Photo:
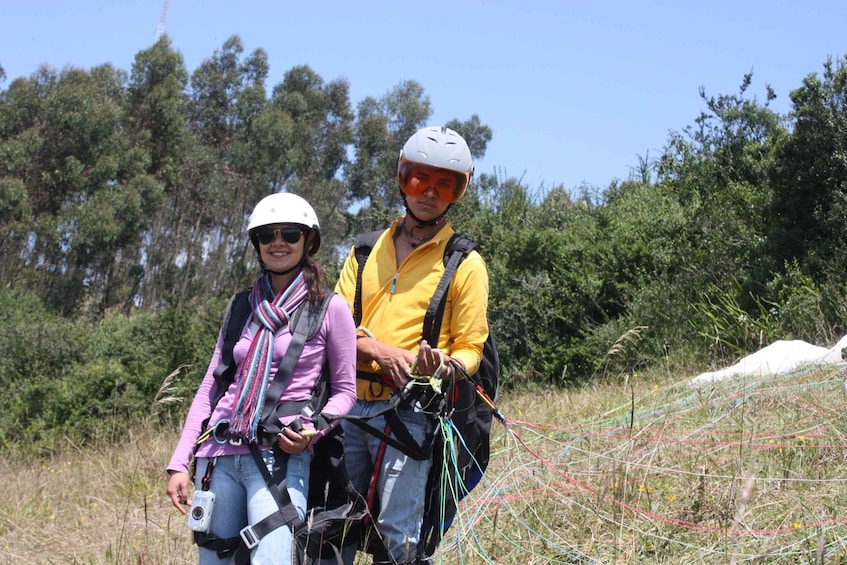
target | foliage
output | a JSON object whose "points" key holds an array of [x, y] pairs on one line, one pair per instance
{"points": [[729, 326], [64, 379], [124, 199], [810, 176], [37, 350], [814, 311]]}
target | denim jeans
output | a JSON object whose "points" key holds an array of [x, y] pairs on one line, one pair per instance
{"points": [[242, 497], [401, 482]]}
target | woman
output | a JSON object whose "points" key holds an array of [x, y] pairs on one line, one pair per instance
{"points": [[285, 233]]}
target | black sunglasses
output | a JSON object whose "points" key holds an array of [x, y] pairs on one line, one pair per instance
{"points": [[267, 235]]}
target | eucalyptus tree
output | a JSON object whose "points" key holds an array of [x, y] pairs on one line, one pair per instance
{"points": [[15, 222], [18, 142], [309, 157], [156, 120], [382, 127], [218, 181], [86, 185]]}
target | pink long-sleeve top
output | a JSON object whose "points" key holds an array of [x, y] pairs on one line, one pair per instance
{"points": [[335, 342]]}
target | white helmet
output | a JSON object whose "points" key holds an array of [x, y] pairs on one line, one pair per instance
{"points": [[285, 208], [438, 147]]}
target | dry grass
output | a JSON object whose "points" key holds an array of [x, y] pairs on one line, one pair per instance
{"points": [[93, 505], [751, 470]]}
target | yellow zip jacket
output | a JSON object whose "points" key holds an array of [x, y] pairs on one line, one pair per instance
{"points": [[395, 299]]}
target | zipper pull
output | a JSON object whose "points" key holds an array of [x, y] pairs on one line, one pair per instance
{"points": [[394, 283]]}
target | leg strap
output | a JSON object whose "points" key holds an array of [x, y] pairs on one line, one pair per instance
{"points": [[251, 535], [223, 547], [287, 514]]}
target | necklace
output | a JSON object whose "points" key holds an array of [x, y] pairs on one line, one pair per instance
{"points": [[410, 238]]}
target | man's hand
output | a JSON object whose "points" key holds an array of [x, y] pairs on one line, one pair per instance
{"points": [[428, 360], [393, 361]]}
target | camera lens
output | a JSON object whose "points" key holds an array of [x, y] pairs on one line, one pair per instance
{"points": [[197, 512]]}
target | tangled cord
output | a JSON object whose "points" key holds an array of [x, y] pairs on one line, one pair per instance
{"points": [[426, 388]]}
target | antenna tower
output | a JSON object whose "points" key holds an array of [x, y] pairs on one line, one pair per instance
{"points": [[160, 29]]}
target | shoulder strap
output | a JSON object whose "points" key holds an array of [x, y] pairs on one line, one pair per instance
{"points": [[236, 314], [363, 246], [315, 312], [457, 249], [300, 334]]}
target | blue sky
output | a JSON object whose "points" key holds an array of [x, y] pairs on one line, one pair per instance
{"points": [[574, 91]]}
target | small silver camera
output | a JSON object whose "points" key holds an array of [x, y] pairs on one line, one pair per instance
{"points": [[200, 514]]}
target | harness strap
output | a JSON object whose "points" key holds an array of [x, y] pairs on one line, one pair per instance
{"points": [[224, 547], [363, 246], [402, 439], [207, 477], [277, 489], [457, 248], [377, 384], [250, 536], [270, 411], [380, 454], [286, 513], [375, 378]]}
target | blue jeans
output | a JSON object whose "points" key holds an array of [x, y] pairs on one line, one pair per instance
{"points": [[242, 497], [401, 482]]}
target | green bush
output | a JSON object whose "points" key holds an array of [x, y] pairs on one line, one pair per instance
{"points": [[33, 341], [71, 381]]}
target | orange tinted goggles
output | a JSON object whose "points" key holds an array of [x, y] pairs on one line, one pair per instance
{"points": [[421, 180]]}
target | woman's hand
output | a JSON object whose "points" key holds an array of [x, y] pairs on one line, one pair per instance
{"points": [[292, 442], [177, 490]]}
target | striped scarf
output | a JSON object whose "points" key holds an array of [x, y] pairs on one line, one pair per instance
{"points": [[254, 375]]}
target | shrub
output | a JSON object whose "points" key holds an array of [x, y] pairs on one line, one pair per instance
{"points": [[64, 379]]}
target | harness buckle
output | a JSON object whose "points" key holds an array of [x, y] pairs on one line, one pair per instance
{"points": [[219, 431], [248, 535], [236, 441]]}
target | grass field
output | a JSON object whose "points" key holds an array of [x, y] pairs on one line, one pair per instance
{"points": [[639, 470]]}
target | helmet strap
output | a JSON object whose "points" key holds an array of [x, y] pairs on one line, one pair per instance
{"points": [[422, 223]]}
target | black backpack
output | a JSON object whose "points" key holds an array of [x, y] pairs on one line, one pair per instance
{"points": [[334, 508], [469, 403]]}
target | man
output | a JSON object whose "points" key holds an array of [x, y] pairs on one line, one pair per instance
{"points": [[398, 280]]}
